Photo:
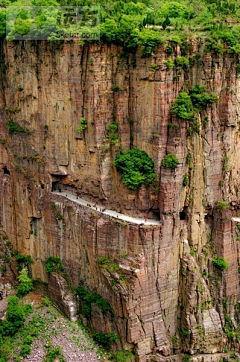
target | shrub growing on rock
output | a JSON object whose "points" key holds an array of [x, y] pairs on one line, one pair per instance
{"points": [[200, 98], [135, 168], [124, 356], [183, 107], [83, 125], [15, 128], [112, 133], [182, 62], [23, 260], [223, 205], [170, 161], [187, 104], [185, 180], [53, 354], [220, 263], [105, 338], [169, 63], [53, 265], [86, 300], [26, 350]]}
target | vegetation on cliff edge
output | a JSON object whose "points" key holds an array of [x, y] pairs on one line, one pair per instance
{"points": [[145, 23]]}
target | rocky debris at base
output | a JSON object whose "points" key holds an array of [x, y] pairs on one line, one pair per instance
{"points": [[56, 331]]}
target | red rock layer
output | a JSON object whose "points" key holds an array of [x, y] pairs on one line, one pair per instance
{"points": [[164, 303]]}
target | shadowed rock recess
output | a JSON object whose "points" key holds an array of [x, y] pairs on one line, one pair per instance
{"points": [[167, 296]]}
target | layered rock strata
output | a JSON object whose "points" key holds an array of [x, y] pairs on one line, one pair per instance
{"points": [[166, 295]]}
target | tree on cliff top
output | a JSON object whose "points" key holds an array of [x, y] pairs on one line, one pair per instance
{"points": [[130, 23]]}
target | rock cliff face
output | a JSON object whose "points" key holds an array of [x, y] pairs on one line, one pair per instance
{"points": [[167, 297]]}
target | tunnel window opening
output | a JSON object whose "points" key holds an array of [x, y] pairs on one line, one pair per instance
{"points": [[182, 215], [34, 225], [56, 186], [208, 217], [57, 182], [6, 171], [156, 214]]}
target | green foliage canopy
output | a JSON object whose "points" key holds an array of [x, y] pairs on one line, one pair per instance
{"points": [[220, 263], [25, 283], [174, 9], [86, 299], [53, 265], [145, 23], [183, 107], [223, 205], [170, 161], [15, 318], [187, 104], [124, 356], [83, 125], [135, 168], [200, 98], [14, 128]]}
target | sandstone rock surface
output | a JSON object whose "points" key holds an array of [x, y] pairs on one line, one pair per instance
{"points": [[167, 297]]}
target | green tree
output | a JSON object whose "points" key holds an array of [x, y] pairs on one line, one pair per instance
{"points": [[2, 22], [124, 356], [200, 98], [174, 9], [53, 265], [135, 168], [22, 23], [170, 161], [123, 22], [166, 22], [15, 317], [109, 30], [25, 283], [183, 107]]}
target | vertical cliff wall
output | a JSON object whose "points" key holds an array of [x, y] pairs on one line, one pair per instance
{"points": [[166, 295]]}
